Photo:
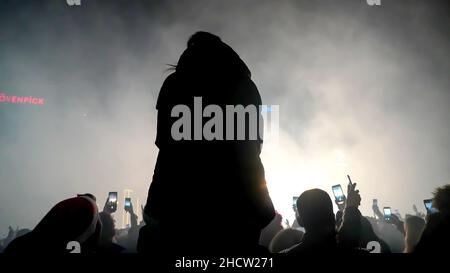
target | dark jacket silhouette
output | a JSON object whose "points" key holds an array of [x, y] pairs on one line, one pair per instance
{"points": [[206, 196]]}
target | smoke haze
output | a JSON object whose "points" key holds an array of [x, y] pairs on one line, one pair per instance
{"points": [[362, 90]]}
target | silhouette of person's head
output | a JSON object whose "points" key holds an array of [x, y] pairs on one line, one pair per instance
{"points": [[73, 219], [315, 211], [108, 227], [88, 195], [441, 199], [208, 55], [435, 237]]}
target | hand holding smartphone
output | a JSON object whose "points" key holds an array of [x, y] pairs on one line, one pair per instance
{"points": [[338, 194], [387, 213], [375, 206], [353, 196], [112, 202], [127, 203], [429, 206]]}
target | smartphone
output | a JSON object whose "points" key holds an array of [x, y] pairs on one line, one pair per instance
{"points": [[375, 203], [429, 206], [338, 193], [294, 201], [387, 213], [112, 201], [127, 202]]}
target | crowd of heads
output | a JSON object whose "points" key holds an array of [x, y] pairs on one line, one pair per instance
{"points": [[317, 228], [73, 225]]}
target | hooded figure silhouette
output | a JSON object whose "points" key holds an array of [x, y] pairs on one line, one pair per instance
{"points": [[206, 195]]}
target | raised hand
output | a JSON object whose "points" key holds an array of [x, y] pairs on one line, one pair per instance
{"points": [[286, 221], [340, 205], [396, 222], [130, 208], [353, 196], [377, 212], [107, 207]]}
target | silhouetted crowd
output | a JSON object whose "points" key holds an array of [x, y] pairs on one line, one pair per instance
{"points": [[317, 229], [210, 196]]}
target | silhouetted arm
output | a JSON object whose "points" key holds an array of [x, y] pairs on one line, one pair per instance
{"points": [[397, 223], [350, 230]]}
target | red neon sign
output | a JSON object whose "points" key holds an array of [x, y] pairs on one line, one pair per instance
{"points": [[20, 99]]}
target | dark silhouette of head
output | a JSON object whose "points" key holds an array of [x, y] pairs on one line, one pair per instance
{"points": [[88, 195], [108, 227], [73, 219], [315, 211], [206, 54], [441, 199]]}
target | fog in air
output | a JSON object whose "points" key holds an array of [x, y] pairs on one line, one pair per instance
{"points": [[362, 91]]}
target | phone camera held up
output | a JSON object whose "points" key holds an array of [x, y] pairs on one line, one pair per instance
{"points": [[127, 203], [112, 201], [338, 194], [387, 213], [429, 206]]}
